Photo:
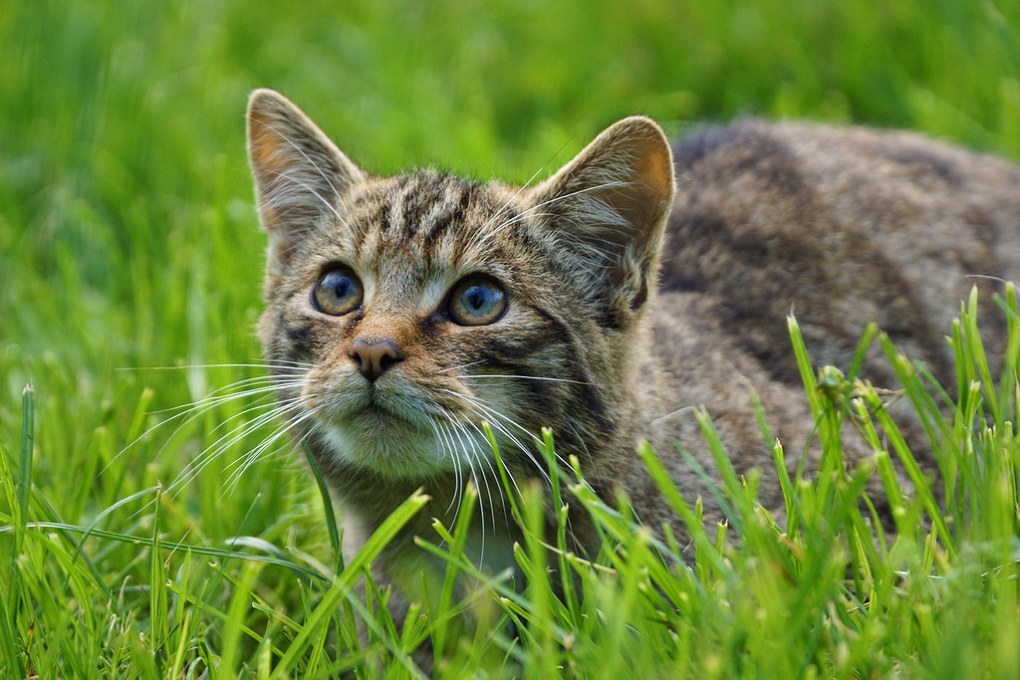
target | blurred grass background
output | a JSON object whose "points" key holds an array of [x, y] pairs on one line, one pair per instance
{"points": [[127, 236], [124, 195], [128, 239]]}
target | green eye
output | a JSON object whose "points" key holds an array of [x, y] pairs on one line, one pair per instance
{"points": [[477, 302], [337, 292]]}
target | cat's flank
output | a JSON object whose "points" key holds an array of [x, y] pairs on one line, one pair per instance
{"points": [[607, 302]]}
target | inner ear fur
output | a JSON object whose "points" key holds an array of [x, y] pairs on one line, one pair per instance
{"points": [[608, 207], [300, 175]]}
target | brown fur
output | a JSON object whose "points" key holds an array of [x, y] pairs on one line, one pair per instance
{"points": [[840, 225]]}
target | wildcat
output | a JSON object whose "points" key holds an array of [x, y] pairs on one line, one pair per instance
{"points": [[607, 302]]}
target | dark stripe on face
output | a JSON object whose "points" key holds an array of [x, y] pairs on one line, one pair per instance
{"points": [[384, 216], [299, 339], [510, 351], [585, 388], [398, 194], [418, 201], [380, 222], [455, 217]]}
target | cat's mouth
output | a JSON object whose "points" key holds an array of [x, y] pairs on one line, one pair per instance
{"points": [[395, 429], [374, 412], [381, 408]]}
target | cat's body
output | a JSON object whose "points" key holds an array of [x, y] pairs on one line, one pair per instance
{"points": [[414, 308], [841, 226]]}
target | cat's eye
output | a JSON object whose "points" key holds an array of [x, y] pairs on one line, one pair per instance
{"points": [[477, 301], [338, 291]]}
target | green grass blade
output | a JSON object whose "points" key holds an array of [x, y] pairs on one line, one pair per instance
{"points": [[332, 528], [141, 541], [976, 351], [9, 638], [456, 541], [24, 485], [233, 623], [343, 584], [159, 622], [706, 550]]}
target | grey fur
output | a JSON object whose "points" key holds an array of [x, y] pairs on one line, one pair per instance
{"points": [[840, 225]]}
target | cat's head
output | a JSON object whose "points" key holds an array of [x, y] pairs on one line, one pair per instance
{"points": [[404, 311]]}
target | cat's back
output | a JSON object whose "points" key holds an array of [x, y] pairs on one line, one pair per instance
{"points": [[842, 225]]}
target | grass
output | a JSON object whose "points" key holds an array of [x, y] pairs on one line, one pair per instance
{"points": [[128, 242]]}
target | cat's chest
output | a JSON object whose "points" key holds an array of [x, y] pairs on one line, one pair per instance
{"points": [[491, 551], [476, 555]]}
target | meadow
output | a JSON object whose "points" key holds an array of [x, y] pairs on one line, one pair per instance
{"points": [[130, 275]]}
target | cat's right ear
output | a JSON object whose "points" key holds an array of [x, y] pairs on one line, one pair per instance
{"points": [[608, 209], [300, 176]]}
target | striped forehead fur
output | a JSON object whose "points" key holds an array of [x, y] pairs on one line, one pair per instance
{"points": [[427, 215]]}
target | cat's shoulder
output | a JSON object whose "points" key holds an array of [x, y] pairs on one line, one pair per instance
{"points": [[786, 153], [842, 224]]}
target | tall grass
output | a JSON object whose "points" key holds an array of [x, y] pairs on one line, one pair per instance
{"points": [[128, 244], [828, 592]]}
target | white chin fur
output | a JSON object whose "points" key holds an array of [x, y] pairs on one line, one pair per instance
{"points": [[403, 435], [399, 451]]}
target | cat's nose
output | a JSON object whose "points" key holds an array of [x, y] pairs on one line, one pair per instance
{"points": [[375, 356]]}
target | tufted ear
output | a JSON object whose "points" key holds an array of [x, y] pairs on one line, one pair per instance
{"points": [[300, 176], [608, 208]]}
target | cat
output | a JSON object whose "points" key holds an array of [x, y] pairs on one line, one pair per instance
{"points": [[607, 303]]}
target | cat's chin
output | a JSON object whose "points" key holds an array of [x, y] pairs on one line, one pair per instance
{"points": [[387, 445]]}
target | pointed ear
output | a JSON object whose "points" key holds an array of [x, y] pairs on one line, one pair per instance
{"points": [[608, 208], [300, 176]]}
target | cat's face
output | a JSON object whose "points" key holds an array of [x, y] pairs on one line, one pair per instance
{"points": [[404, 312]]}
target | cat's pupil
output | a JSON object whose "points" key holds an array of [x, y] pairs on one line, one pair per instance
{"points": [[340, 284], [476, 297]]}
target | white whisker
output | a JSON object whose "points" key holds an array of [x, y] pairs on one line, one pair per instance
{"points": [[496, 420], [187, 413], [459, 367], [509, 202], [318, 170], [230, 438], [529, 212], [286, 365], [242, 464], [472, 376]]}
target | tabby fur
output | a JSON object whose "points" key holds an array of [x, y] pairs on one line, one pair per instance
{"points": [[643, 282]]}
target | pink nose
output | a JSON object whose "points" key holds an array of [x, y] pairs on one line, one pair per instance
{"points": [[375, 356]]}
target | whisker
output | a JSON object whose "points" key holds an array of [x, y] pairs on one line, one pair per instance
{"points": [[229, 439], [470, 376], [284, 365], [313, 164], [453, 461], [496, 419], [481, 452], [242, 464], [458, 492], [505, 467], [511, 200], [202, 407], [259, 386], [529, 211], [580, 439], [478, 455], [190, 412], [460, 366]]}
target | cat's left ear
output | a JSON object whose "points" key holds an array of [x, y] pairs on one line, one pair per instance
{"points": [[608, 208]]}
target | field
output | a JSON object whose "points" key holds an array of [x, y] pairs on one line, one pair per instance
{"points": [[130, 273]]}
